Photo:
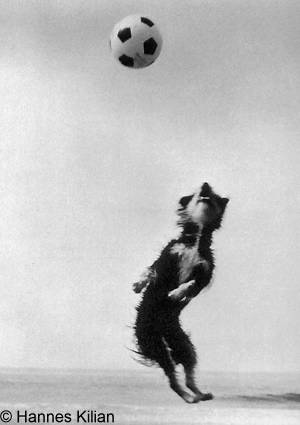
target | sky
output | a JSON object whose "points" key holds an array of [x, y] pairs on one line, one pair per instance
{"points": [[94, 157]]}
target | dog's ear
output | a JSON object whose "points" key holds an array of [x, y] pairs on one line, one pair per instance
{"points": [[224, 201], [185, 200]]}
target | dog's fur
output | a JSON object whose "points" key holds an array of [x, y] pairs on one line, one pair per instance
{"points": [[183, 269]]}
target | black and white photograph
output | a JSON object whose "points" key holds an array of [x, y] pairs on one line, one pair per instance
{"points": [[149, 236]]}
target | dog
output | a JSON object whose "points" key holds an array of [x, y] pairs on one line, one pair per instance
{"points": [[184, 267]]}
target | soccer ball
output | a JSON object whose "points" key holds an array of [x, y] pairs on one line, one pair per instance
{"points": [[135, 41]]}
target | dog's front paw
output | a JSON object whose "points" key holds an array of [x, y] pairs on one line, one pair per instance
{"points": [[182, 291], [139, 286], [136, 287], [190, 284], [185, 301]]}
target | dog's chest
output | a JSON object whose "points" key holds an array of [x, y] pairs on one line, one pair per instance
{"points": [[188, 258]]}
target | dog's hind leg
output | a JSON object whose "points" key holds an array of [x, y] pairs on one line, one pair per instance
{"points": [[191, 384], [166, 362], [169, 368], [153, 346], [183, 352]]}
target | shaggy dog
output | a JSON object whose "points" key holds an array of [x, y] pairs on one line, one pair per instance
{"points": [[183, 269]]}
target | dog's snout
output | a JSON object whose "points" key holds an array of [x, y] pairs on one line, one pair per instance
{"points": [[205, 190]]}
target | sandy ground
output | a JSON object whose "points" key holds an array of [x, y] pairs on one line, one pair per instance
{"points": [[143, 397]]}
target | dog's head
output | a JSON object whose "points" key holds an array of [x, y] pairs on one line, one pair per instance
{"points": [[203, 209]]}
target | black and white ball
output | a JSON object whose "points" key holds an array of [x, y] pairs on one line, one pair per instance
{"points": [[136, 41]]}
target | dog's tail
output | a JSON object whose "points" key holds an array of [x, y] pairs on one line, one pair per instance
{"points": [[140, 358]]}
